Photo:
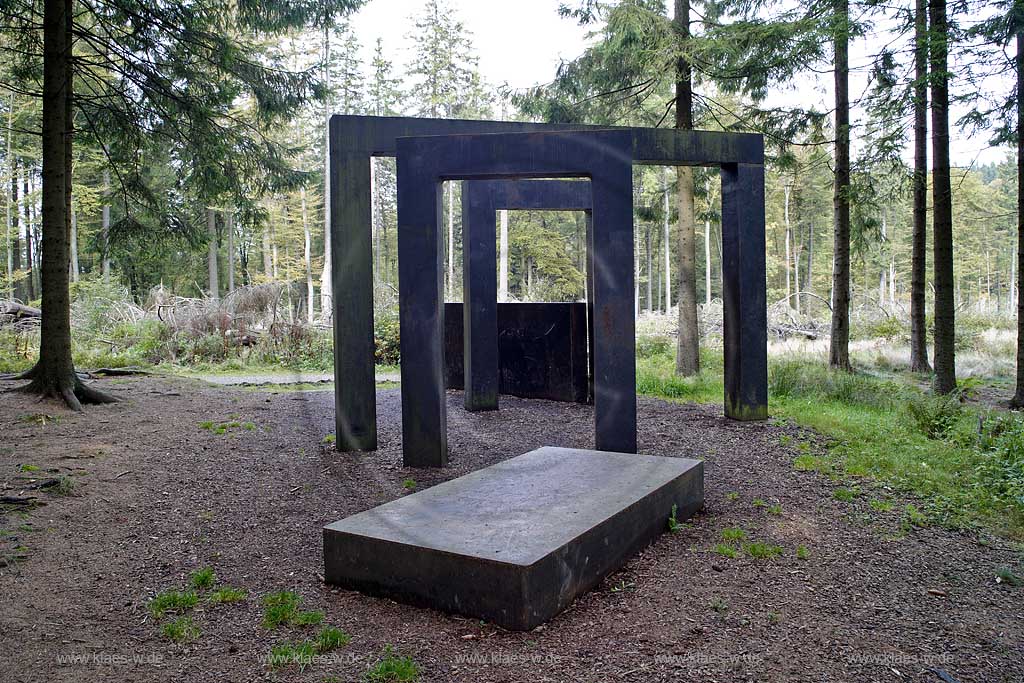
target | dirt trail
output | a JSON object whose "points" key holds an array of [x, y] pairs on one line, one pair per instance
{"points": [[159, 493]]}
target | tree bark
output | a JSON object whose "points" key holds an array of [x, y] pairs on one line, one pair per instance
{"points": [[503, 256], [451, 241], [688, 347], [268, 264], [229, 228], [308, 256], [650, 269], [942, 203], [105, 234], [667, 241], [839, 345], [15, 230], [326, 278], [789, 258], [30, 261], [54, 373], [1018, 396], [211, 256], [8, 243], [74, 244], [707, 247]]}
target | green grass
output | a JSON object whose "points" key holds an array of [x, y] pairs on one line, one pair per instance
{"points": [[802, 553], [392, 667], [847, 495], [202, 578], [726, 551], [172, 601], [181, 630], [409, 484], [734, 533], [302, 653], [673, 520], [226, 594], [883, 430], [282, 608], [762, 551]]}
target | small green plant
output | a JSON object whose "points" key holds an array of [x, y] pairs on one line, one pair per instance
{"points": [[330, 438], [762, 551], [673, 520], [172, 601], [202, 578], [734, 533], [934, 416], [719, 605], [1006, 577], [409, 484], [181, 630], [759, 503], [226, 594], [726, 551], [914, 517], [283, 608], [330, 638], [29, 468], [809, 463], [249, 426], [392, 667], [774, 617], [802, 553], [732, 496], [881, 505], [845, 494], [65, 486], [775, 509], [207, 424]]}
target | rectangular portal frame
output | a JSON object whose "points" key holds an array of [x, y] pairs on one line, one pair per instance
{"points": [[423, 164], [480, 200], [354, 140]]}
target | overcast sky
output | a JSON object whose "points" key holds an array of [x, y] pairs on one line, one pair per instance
{"points": [[521, 42]]}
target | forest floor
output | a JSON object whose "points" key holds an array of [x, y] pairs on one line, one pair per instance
{"points": [[182, 475]]}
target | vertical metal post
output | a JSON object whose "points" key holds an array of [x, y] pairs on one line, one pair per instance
{"points": [[744, 292], [480, 297], [355, 392]]}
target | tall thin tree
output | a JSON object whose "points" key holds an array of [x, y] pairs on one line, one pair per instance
{"points": [[919, 238], [839, 344]]}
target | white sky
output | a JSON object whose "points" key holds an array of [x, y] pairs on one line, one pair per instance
{"points": [[521, 42]]}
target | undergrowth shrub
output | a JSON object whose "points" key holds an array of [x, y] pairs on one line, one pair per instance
{"points": [[791, 378], [386, 340], [934, 416], [648, 347]]}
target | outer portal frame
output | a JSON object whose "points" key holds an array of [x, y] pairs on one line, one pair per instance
{"points": [[354, 140], [480, 200]]}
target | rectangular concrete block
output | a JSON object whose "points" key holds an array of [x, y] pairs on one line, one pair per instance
{"points": [[517, 542]]}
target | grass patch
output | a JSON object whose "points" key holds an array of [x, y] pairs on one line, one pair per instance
{"points": [[762, 551], [673, 520], [29, 468], [330, 638], [726, 550], [330, 438], [1006, 577], [885, 430], [802, 553], [181, 630], [202, 578], [282, 608], [409, 484], [392, 667], [227, 594], [847, 495], [172, 601], [881, 505], [734, 533]]}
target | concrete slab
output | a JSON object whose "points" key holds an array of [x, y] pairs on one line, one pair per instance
{"points": [[516, 542]]}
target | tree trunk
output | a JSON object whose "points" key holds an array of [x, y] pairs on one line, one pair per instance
{"points": [[707, 247], [105, 228], [30, 261], [650, 269], [503, 256], [308, 256], [268, 264], [54, 373], [839, 346], [326, 278], [789, 258], [885, 267], [211, 256], [74, 244], [8, 243], [229, 228], [667, 242], [451, 241], [688, 348], [942, 203], [1018, 396], [15, 230]]}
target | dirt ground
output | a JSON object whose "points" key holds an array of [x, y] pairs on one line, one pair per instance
{"points": [[157, 496]]}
